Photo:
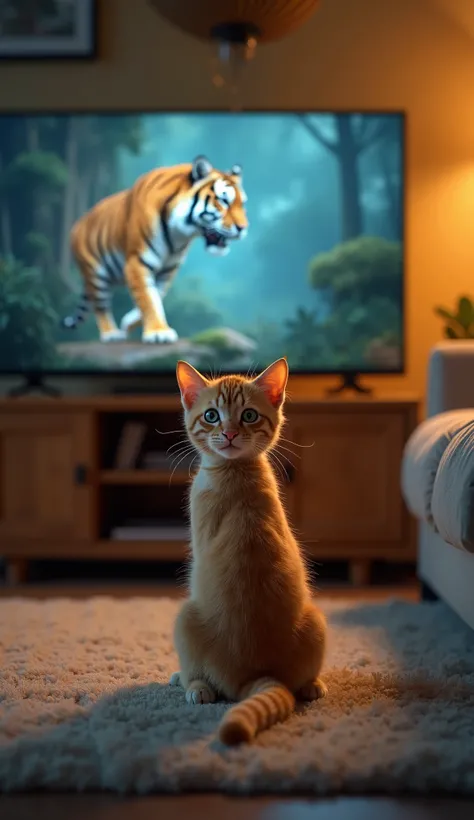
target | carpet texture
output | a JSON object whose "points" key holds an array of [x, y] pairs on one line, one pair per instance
{"points": [[85, 705]]}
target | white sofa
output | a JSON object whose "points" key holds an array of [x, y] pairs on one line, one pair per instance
{"points": [[438, 479]]}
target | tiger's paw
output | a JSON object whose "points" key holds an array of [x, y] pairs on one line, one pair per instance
{"points": [[313, 691], [199, 692], [164, 336], [115, 335]]}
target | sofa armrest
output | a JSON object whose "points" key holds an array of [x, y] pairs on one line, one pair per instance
{"points": [[451, 376], [452, 502], [422, 456]]}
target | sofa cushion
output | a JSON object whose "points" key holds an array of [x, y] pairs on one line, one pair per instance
{"points": [[452, 503], [422, 456]]}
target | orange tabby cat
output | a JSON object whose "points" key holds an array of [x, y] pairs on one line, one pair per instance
{"points": [[249, 631]]}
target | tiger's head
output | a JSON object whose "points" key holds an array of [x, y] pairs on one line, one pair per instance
{"points": [[215, 205]]}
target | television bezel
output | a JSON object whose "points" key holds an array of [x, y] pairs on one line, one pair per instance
{"points": [[295, 373]]}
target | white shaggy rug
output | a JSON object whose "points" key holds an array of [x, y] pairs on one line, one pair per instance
{"points": [[85, 705]]}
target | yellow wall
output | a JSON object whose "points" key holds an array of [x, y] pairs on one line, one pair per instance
{"points": [[375, 54]]}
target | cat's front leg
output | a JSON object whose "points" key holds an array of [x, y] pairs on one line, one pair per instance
{"points": [[190, 644], [200, 692], [313, 690]]}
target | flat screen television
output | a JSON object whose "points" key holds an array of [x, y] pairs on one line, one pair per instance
{"points": [[131, 240]]}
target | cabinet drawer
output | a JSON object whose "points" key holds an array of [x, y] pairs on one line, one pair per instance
{"points": [[45, 476], [346, 485]]}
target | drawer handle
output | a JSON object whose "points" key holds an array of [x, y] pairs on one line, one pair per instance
{"points": [[80, 474]]}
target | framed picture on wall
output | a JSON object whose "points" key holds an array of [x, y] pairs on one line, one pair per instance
{"points": [[48, 29]]}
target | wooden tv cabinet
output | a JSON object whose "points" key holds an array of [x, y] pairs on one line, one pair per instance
{"points": [[60, 496]]}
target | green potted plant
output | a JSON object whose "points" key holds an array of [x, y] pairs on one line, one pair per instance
{"points": [[459, 323]]}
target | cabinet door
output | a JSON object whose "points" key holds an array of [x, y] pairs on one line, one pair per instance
{"points": [[346, 485], [45, 459]]}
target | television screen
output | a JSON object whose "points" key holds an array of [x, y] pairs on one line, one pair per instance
{"points": [[131, 240]]}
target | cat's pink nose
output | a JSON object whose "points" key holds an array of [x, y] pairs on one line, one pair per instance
{"points": [[230, 434]]}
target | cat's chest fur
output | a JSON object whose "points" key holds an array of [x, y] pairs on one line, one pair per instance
{"points": [[243, 557], [220, 505]]}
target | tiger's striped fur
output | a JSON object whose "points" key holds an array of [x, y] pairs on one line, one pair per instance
{"points": [[250, 631], [140, 237]]}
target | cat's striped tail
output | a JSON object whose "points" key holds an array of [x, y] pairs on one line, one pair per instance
{"points": [[267, 702]]}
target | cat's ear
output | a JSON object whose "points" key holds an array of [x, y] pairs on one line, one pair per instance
{"points": [[273, 382], [190, 383]]}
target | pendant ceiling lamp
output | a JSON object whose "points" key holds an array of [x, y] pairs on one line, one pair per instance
{"points": [[237, 21], [235, 27]]}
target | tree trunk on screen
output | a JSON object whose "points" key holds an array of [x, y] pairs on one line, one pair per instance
{"points": [[70, 195], [83, 193], [349, 183], [6, 247], [392, 192], [33, 144], [346, 146], [32, 135]]}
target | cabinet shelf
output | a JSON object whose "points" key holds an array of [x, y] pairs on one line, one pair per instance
{"points": [[343, 500], [153, 550], [147, 477]]}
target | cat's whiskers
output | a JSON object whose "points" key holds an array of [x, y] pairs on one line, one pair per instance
{"points": [[295, 443], [282, 447], [167, 432], [177, 444], [191, 464], [176, 467], [273, 456], [185, 445], [284, 458], [186, 451]]}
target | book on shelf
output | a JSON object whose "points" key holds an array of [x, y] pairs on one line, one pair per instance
{"points": [[155, 460], [149, 529], [159, 460], [129, 445]]}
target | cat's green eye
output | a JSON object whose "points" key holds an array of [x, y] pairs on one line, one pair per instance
{"points": [[211, 416], [249, 415]]}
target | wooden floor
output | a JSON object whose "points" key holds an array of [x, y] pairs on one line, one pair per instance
{"points": [[213, 806], [217, 807]]}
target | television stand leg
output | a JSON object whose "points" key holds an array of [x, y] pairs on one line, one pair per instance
{"points": [[427, 593], [16, 571], [350, 381], [34, 381]]}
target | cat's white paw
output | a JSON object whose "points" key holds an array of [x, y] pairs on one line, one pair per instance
{"points": [[175, 679], [200, 694], [113, 336], [166, 336], [314, 690]]}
